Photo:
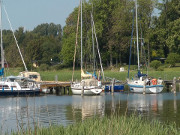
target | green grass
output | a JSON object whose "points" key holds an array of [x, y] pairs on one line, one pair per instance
{"points": [[66, 74], [113, 125]]}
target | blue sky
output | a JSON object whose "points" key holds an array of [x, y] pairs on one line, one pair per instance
{"points": [[30, 13]]}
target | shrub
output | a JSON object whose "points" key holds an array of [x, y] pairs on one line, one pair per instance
{"points": [[172, 59], [155, 64], [44, 67], [160, 68]]}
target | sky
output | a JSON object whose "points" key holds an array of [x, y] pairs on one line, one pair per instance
{"points": [[31, 13]]}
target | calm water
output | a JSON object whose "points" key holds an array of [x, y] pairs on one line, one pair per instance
{"points": [[19, 112]]}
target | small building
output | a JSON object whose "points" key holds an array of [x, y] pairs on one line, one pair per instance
{"points": [[121, 69]]}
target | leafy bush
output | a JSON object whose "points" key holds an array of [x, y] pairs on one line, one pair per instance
{"points": [[160, 68], [44, 67], [155, 64], [172, 59]]}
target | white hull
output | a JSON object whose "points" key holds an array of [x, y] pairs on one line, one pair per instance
{"points": [[76, 89], [148, 89], [137, 86], [87, 90]]}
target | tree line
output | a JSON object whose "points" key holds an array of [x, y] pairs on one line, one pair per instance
{"points": [[50, 43]]}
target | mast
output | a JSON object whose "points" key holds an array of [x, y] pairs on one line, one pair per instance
{"points": [[97, 47], [93, 39], [137, 35], [2, 51], [15, 40], [81, 38]]}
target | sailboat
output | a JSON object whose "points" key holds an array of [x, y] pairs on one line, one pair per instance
{"points": [[14, 85], [88, 85], [142, 83]]}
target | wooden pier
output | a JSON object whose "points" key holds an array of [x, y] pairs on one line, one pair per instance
{"points": [[173, 84], [62, 88], [56, 87]]}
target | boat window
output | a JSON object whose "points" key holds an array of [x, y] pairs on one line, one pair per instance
{"points": [[11, 79], [5, 86], [33, 76]]}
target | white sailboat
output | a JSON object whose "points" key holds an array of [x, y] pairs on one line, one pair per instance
{"points": [[141, 83], [88, 84], [14, 85]]}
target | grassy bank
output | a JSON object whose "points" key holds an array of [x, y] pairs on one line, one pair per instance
{"points": [[109, 126], [66, 74]]}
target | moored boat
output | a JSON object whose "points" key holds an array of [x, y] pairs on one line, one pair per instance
{"points": [[18, 86]]}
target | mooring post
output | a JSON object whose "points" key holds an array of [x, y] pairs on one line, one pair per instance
{"points": [[82, 90], [64, 90], [112, 89], [57, 90], [60, 88], [56, 78], [54, 90], [174, 85], [68, 90], [144, 87]]}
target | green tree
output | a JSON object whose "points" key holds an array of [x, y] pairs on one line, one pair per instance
{"points": [[172, 59]]}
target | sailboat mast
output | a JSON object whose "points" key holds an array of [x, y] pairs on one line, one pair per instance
{"points": [[2, 51], [137, 35], [81, 38], [93, 43]]}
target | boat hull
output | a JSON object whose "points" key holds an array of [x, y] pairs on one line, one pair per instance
{"points": [[87, 91], [117, 88], [148, 89], [20, 92]]}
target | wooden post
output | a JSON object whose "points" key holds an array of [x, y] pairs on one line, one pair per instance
{"points": [[82, 90], [56, 78], [64, 90], [54, 90], [174, 85], [112, 88], [144, 87], [57, 90], [67, 90], [60, 88]]}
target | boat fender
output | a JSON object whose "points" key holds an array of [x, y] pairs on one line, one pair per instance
{"points": [[99, 83], [154, 81]]}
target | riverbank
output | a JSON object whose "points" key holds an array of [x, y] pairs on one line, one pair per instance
{"points": [[113, 125], [66, 74]]}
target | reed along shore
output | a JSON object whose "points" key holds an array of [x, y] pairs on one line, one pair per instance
{"points": [[113, 125]]}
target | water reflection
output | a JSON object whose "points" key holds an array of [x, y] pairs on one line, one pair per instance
{"points": [[88, 106], [20, 112]]}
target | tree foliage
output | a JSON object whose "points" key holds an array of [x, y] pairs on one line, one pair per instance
{"points": [[49, 43], [35, 46], [172, 59]]}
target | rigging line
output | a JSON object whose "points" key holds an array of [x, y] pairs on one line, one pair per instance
{"points": [[93, 43], [15, 39], [131, 43], [2, 50], [74, 61], [97, 47], [81, 38]]}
